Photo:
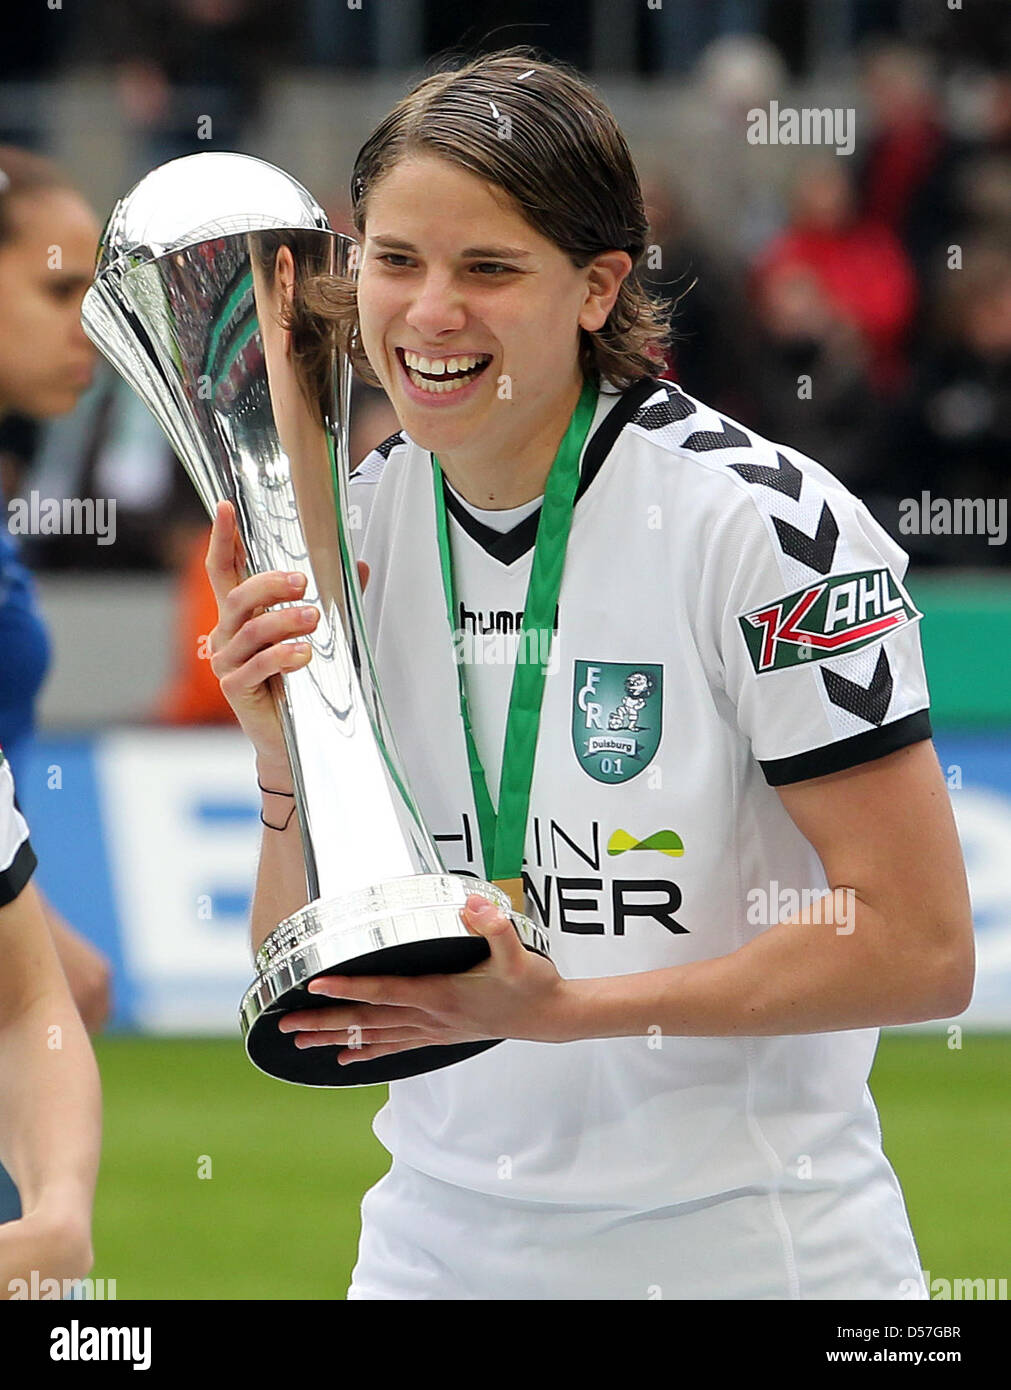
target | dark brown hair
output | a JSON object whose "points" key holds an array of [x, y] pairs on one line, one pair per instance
{"points": [[311, 342], [22, 174], [534, 127]]}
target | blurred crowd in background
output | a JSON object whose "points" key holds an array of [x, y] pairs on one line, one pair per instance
{"points": [[883, 276]]}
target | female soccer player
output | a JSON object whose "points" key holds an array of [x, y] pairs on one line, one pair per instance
{"points": [[48, 236], [50, 1101], [708, 738]]}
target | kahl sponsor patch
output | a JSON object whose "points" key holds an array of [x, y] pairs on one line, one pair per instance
{"points": [[839, 614]]}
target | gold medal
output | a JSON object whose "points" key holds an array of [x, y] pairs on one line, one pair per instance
{"points": [[514, 888]]}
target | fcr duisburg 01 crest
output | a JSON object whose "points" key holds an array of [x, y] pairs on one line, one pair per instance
{"points": [[617, 717]]}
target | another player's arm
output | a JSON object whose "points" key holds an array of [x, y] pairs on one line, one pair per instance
{"points": [[50, 1104], [886, 837], [88, 971]]}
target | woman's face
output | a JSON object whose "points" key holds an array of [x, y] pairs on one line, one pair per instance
{"points": [[46, 360], [450, 269]]}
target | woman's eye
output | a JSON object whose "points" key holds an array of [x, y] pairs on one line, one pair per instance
{"points": [[490, 269]]}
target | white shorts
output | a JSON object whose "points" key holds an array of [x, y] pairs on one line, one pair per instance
{"points": [[426, 1239]]}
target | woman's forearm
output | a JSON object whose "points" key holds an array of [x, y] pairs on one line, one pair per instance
{"points": [[824, 969], [280, 881], [50, 1100]]}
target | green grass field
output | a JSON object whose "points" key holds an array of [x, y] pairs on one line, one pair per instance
{"points": [[278, 1215]]}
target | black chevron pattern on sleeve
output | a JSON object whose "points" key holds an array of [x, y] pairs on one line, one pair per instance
{"points": [[668, 412], [388, 445], [869, 702], [729, 437], [786, 478], [817, 550]]}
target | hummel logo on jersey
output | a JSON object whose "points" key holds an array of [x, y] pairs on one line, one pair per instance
{"points": [[497, 620], [839, 614], [617, 713]]}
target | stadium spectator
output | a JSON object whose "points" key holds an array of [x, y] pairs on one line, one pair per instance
{"points": [[710, 322], [184, 62], [951, 434], [809, 375], [907, 139], [859, 265]]}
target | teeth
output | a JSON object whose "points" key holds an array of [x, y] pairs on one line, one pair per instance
{"points": [[437, 388], [439, 366]]}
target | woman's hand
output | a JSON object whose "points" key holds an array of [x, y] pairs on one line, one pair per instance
{"points": [[250, 645], [515, 993]]}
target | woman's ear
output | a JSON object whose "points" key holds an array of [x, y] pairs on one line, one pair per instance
{"points": [[604, 275], [284, 291]]}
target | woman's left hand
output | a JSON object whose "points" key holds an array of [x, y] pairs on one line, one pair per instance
{"points": [[515, 993]]}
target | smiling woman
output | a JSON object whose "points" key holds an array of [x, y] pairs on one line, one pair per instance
{"points": [[679, 1106], [585, 204]]}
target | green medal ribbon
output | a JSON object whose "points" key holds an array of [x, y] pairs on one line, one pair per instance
{"points": [[503, 834]]}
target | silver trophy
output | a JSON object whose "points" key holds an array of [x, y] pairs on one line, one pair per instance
{"points": [[187, 301]]}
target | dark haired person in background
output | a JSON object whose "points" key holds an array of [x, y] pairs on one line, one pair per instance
{"points": [[46, 362], [680, 1108]]}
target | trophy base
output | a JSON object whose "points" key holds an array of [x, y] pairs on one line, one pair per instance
{"points": [[413, 927]]}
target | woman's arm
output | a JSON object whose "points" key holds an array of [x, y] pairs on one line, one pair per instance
{"points": [[897, 948], [280, 881], [88, 971], [50, 1103]]}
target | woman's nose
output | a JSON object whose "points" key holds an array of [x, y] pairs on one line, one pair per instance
{"points": [[436, 307]]}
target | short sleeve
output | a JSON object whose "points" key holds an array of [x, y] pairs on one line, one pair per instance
{"points": [[819, 638], [362, 486], [17, 858]]}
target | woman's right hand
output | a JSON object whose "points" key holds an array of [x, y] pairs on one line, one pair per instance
{"points": [[249, 644]]}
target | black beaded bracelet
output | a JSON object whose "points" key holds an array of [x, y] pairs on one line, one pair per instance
{"points": [[279, 827]]}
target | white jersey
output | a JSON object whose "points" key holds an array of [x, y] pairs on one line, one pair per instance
{"points": [[730, 619], [17, 858]]}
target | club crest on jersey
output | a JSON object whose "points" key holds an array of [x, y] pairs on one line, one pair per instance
{"points": [[838, 614], [617, 714]]}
